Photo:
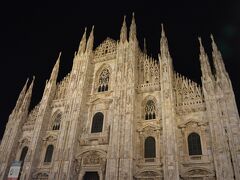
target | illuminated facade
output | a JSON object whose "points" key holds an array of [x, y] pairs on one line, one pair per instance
{"points": [[121, 114]]}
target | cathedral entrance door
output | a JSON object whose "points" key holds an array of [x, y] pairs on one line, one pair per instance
{"points": [[91, 176]]}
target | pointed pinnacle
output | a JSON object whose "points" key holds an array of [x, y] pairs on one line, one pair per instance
{"points": [[60, 53], [33, 79], [214, 46], [133, 18], [84, 34], [200, 41], [25, 85], [163, 32], [123, 32], [124, 21], [91, 33], [201, 46], [30, 87], [21, 95]]}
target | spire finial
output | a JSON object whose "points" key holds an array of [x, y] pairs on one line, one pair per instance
{"points": [[133, 29], [55, 70], [59, 55], [26, 102], [164, 43], [163, 32], [214, 46], [201, 46], [21, 96], [217, 59], [205, 66], [82, 45], [90, 40], [123, 33]]}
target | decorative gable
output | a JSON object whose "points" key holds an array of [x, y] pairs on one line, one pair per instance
{"points": [[106, 50]]}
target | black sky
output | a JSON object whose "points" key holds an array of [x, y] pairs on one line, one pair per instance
{"points": [[33, 33]]}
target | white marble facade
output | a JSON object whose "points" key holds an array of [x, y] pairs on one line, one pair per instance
{"points": [[121, 114]]}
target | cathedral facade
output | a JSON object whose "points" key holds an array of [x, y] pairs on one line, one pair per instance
{"points": [[121, 114]]}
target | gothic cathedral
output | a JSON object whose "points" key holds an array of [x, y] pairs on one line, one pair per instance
{"points": [[123, 115]]}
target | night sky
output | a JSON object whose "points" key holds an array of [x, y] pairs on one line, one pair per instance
{"points": [[32, 35]]}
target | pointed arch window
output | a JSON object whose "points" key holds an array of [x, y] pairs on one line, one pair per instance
{"points": [[150, 110], [23, 153], [103, 80], [57, 122], [150, 147], [97, 122], [194, 144], [49, 154]]}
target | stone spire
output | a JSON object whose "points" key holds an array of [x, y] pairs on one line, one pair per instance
{"points": [[164, 44], [55, 70], [133, 30], [21, 96], [217, 59], [123, 33], [27, 99], [82, 45], [205, 66], [90, 41]]}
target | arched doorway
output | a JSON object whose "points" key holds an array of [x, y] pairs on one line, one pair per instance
{"points": [[91, 176]]}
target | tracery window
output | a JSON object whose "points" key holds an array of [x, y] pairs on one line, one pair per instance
{"points": [[49, 154], [57, 122], [150, 147], [194, 144], [103, 80], [150, 110], [97, 123], [23, 153]]}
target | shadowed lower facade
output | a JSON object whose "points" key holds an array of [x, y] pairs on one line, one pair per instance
{"points": [[121, 114]]}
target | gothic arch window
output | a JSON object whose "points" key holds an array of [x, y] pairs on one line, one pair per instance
{"points": [[97, 122], [150, 110], [194, 144], [23, 153], [57, 122], [150, 147], [49, 154], [103, 80]]}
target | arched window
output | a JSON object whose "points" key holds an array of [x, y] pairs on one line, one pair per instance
{"points": [[49, 153], [103, 80], [57, 122], [23, 153], [150, 110], [150, 147], [97, 122], [194, 144]]}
